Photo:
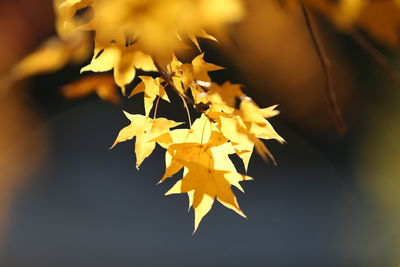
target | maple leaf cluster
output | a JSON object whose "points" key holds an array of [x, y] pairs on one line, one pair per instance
{"points": [[202, 151], [145, 34], [133, 34], [124, 36]]}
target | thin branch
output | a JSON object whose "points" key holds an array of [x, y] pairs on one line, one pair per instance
{"points": [[200, 107], [336, 112], [168, 79], [377, 56]]}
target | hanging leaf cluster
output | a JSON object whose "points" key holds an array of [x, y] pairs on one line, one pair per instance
{"points": [[202, 150], [127, 35], [131, 35]]}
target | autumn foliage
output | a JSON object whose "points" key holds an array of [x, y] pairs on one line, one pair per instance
{"points": [[131, 35]]}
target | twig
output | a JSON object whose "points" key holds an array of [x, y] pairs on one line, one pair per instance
{"points": [[377, 56], [200, 107], [336, 112], [168, 79]]}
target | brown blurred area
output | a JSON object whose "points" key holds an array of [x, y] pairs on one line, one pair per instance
{"points": [[23, 25], [276, 57], [278, 61]]}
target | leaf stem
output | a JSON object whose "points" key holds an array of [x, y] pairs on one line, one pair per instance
{"points": [[336, 112], [156, 108], [187, 110], [202, 134]]}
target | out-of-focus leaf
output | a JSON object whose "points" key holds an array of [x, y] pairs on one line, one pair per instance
{"points": [[52, 56], [102, 84]]}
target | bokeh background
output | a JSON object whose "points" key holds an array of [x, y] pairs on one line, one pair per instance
{"points": [[66, 200]]}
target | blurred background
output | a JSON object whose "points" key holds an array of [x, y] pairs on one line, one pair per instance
{"points": [[66, 200]]}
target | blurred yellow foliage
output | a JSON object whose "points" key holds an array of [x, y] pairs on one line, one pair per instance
{"points": [[127, 32], [380, 19], [102, 84], [52, 56]]}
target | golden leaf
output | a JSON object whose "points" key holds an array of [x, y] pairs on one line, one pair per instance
{"points": [[151, 89], [223, 98], [200, 133], [202, 34], [145, 130], [205, 184], [123, 60], [237, 132], [255, 119], [185, 74], [194, 144], [201, 69]]}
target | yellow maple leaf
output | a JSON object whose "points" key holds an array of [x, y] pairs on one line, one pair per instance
{"points": [[205, 184], [174, 67], [200, 69], [200, 133], [250, 112], [184, 75], [145, 130], [255, 120], [210, 150], [124, 61], [244, 141], [151, 88], [202, 34], [223, 98], [202, 153]]}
